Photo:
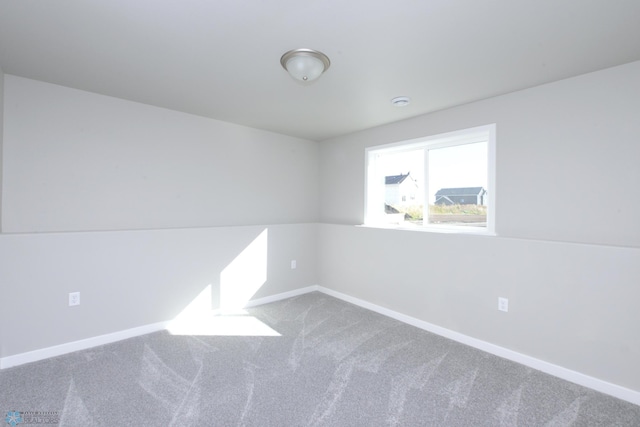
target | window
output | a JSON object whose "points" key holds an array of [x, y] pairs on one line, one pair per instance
{"points": [[441, 182]]}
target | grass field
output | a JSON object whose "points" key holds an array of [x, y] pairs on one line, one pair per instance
{"points": [[416, 211], [446, 214]]}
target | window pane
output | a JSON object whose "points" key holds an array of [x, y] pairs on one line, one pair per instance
{"points": [[457, 185]]}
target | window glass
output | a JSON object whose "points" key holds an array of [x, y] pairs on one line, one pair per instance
{"points": [[458, 185]]}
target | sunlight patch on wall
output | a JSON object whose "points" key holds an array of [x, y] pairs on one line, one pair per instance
{"points": [[239, 281], [242, 278]]}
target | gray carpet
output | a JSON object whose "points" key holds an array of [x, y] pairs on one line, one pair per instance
{"points": [[334, 364]]}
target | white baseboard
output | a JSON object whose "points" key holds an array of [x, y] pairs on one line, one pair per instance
{"points": [[58, 350], [549, 368], [605, 387], [70, 347], [279, 297]]}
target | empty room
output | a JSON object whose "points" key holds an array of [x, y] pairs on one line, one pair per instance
{"points": [[320, 213]]}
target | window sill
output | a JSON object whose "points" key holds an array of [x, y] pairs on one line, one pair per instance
{"points": [[434, 229]]}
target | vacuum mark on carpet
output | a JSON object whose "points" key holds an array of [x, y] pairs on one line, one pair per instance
{"points": [[459, 391], [508, 411], [413, 379], [568, 416], [75, 412], [189, 409], [162, 382]]}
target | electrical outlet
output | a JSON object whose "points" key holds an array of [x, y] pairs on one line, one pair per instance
{"points": [[503, 304], [74, 298], [294, 264]]}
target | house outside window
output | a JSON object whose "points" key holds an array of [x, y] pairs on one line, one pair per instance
{"points": [[400, 189]]}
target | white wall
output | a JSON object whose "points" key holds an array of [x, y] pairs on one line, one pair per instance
{"points": [[1, 138], [129, 204], [570, 264], [572, 144], [129, 279], [79, 161]]}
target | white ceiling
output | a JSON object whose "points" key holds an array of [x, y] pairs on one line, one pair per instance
{"points": [[221, 59]]}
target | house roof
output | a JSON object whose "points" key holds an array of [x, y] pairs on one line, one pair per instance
{"points": [[461, 191], [222, 59], [395, 179]]}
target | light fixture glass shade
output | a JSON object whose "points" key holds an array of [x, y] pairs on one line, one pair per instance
{"points": [[305, 65], [401, 101]]}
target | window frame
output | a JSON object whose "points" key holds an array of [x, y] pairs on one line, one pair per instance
{"points": [[372, 215]]}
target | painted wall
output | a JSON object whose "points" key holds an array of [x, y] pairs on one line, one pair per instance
{"points": [[77, 161], [1, 138], [129, 279], [573, 144], [570, 266], [129, 204]]}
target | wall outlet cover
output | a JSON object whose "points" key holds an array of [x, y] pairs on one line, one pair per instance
{"points": [[74, 298]]}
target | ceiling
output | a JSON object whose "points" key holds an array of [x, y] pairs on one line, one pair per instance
{"points": [[221, 59]]}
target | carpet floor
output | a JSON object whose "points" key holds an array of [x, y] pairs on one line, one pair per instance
{"points": [[333, 364]]}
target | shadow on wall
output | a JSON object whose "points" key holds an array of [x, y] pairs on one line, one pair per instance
{"points": [[239, 281]]}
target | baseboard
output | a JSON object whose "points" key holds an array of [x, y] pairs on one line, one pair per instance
{"points": [[605, 387], [59, 350], [614, 390], [70, 347], [281, 296]]}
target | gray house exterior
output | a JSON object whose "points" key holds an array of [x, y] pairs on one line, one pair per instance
{"points": [[461, 196]]}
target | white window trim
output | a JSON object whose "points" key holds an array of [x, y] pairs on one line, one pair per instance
{"points": [[466, 136]]}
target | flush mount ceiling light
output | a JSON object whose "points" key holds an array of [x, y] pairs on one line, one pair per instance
{"points": [[401, 101], [305, 65]]}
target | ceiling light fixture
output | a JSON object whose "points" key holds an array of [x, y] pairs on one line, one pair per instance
{"points": [[401, 101], [305, 65]]}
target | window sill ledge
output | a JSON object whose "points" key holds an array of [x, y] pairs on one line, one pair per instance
{"points": [[468, 230]]}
